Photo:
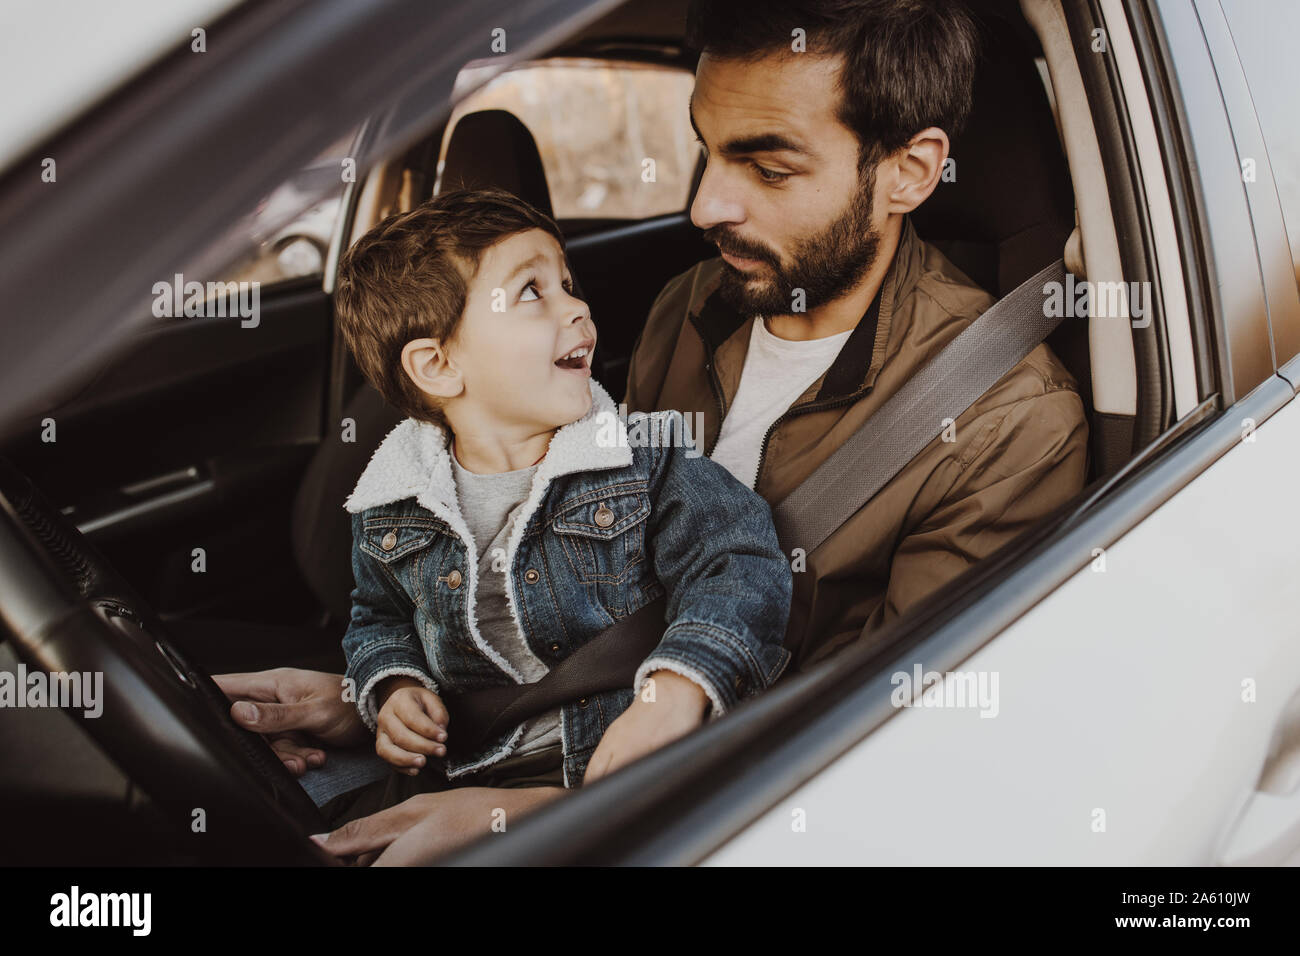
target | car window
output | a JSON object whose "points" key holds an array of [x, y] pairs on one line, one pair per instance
{"points": [[286, 236], [615, 137], [1263, 31]]}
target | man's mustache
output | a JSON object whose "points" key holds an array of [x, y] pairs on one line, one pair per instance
{"points": [[743, 248]]}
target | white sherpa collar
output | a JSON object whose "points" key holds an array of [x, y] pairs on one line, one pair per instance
{"points": [[413, 460]]}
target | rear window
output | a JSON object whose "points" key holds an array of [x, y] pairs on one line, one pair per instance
{"points": [[615, 137]]}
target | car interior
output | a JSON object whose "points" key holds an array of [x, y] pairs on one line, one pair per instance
{"points": [[208, 467]]}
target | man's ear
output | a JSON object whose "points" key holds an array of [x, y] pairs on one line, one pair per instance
{"points": [[919, 165], [430, 366]]}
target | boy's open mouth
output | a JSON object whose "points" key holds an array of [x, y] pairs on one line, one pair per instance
{"points": [[576, 360]]}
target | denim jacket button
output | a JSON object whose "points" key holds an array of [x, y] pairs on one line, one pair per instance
{"points": [[389, 541], [604, 517], [582, 702], [454, 579], [555, 647], [531, 576]]}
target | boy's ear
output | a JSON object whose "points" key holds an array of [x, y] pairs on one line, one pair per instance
{"points": [[432, 369]]}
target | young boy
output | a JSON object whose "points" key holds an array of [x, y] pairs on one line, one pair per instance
{"points": [[499, 528]]}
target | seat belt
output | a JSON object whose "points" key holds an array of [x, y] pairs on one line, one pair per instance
{"points": [[906, 423], [914, 416], [606, 662]]}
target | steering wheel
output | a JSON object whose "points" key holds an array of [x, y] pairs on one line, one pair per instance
{"points": [[164, 722]]}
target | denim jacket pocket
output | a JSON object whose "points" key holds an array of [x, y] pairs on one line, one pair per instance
{"points": [[402, 545], [389, 539], [603, 531]]}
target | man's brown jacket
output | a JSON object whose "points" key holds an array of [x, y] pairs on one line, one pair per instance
{"points": [[1019, 452]]}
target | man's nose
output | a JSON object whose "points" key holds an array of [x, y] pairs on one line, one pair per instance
{"points": [[714, 204]]}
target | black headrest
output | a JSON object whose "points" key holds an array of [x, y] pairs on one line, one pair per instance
{"points": [[493, 148], [1010, 207]]}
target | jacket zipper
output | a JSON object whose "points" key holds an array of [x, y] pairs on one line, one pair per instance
{"points": [[713, 382], [813, 406]]}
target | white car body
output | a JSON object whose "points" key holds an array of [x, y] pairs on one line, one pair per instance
{"points": [[1136, 707]]}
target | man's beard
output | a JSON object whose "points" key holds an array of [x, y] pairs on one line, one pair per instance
{"points": [[825, 266]]}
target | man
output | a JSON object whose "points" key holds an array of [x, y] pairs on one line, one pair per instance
{"points": [[819, 143], [824, 123]]}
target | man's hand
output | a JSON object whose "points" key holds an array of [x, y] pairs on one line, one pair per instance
{"points": [[286, 703], [424, 827], [460, 817], [412, 724], [678, 708]]}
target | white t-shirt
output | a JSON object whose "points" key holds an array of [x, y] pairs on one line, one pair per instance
{"points": [[776, 373]]}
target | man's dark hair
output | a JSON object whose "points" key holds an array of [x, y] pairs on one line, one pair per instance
{"points": [[408, 277], [907, 64]]}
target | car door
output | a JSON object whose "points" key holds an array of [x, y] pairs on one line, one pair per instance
{"points": [[181, 458]]}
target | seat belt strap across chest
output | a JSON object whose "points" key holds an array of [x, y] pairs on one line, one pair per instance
{"points": [[915, 415]]}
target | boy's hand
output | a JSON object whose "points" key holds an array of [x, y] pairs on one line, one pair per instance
{"points": [[412, 724], [678, 708]]}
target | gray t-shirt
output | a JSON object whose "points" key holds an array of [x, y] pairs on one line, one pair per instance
{"points": [[490, 504]]}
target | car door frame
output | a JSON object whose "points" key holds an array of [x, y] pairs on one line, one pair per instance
{"points": [[1277, 269]]}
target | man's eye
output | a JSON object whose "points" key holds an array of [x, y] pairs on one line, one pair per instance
{"points": [[770, 175], [530, 292], [568, 286]]}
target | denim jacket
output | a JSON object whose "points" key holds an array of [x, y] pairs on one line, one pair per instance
{"points": [[617, 516]]}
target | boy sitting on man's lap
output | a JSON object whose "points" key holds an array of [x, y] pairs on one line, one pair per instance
{"points": [[497, 529]]}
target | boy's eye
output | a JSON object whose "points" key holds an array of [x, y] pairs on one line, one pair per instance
{"points": [[532, 292], [770, 175]]}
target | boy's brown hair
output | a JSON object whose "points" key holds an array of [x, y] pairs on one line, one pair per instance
{"points": [[407, 278]]}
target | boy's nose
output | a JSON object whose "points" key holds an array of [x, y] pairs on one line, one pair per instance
{"points": [[582, 311], [583, 318]]}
